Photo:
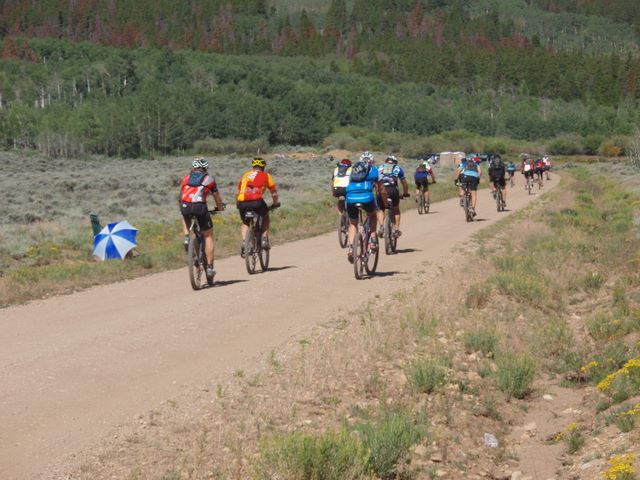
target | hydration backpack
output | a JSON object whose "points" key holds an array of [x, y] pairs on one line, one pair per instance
{"points": [[421, 173], [497, 166], [359, 172], [196, 178], [342, 170]]}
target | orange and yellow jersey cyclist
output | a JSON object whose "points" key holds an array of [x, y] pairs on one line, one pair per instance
{"points": [[250, 196]]}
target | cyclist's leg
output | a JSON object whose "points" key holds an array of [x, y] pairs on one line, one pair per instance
{"points": [[394, 195], [473, 187], [209, 245], [352, 213], [503, 188]]}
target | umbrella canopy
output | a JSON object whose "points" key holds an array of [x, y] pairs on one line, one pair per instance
{"points": [[115, 240]]}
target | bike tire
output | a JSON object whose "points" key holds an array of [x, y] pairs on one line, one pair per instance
{"points": [[250, 253], [358, 256], [193, 263], [466, 206], [263, 256], [427, 205], [421, 203], [394, 238], [371, 258], [343, 229], [499, 200], [388, 232], [529, 187]]}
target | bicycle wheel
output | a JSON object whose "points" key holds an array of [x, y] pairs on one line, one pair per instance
{"points": [[388, 232], [371, 257], [499, 199], [394, 237], [250, 250], [343, 229], [358, 256], [194, 264], [263, 255], [427, 205], [420, 202], [466, 206]]}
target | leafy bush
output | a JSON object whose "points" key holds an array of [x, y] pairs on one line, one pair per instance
{"points": [[566, 144], [483, 340], [426, 375], [515, 374]]}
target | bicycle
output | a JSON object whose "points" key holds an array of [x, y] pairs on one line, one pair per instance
{"points": [[343, 227], [365, 252], [466, 202], [422, 203], [499, 199], [252, 244], [196, 257]]}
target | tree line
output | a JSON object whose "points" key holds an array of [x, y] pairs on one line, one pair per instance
{"points": [[89, 99]]}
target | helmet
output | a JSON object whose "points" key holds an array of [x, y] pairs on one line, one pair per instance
{"points": [[545, 158], [200, 162], [392, 159], [525, 156], [367, 157], [258, 162], [345, 161]]}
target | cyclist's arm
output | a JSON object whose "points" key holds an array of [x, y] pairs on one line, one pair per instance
{"points": [[405, 187], [218, 199], [433, 175]]}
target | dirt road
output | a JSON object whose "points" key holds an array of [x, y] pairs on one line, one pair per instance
{"points": [[72, 367]]}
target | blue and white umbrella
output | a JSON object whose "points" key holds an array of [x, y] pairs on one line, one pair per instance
{"points": [[115, 240]]}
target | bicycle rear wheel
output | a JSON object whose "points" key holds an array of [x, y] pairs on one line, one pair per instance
{"points": [[371, 257], [263, 256], [343, 229], [421, 205], [358, 256], [499, 199], [250, 250], [388, 232], [194, 264], [466, 204]]}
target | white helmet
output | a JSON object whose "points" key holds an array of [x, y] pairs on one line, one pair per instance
{"points": [[367, 157], [200, 162]]}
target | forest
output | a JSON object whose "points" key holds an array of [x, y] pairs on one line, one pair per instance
{"points": [[132, 78]]}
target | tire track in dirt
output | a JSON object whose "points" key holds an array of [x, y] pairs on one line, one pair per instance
{"points": [[74, 366]]}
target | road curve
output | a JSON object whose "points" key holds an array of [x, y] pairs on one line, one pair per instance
{"points": [[73, 367]]}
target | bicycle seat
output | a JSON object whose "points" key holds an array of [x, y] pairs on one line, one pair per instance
{"points": [[250, 214], [341, 197]]}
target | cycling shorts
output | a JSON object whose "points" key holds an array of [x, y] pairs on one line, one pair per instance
{"points": [[394, 195], [422, 183], [528, 174], [499, 181], [352, 209], [199, 211], [339, 192], [472, 182], [258, 206]]}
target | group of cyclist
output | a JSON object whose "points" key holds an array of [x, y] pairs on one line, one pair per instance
{"points": [[198, 184], [356, 185]]}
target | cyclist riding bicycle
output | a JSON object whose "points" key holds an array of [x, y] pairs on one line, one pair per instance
{"points": [[527, 168], [194, 189], [391, 173], [539, 169], [421, 177], [250, 197], [511, 169], [497, 172], [364, 178], [469, 173], [340, 180]]}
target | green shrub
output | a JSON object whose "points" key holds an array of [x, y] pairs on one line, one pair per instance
{"points": [[566, 144], [574, 441], [591, 143], [482, 340], [515, 374], [330, 456], [593, 281], [521, 286], [604, 326], [388, 441], [426, 375]]}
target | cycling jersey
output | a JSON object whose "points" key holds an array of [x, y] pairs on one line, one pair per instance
{"points": [[511, 167], [391, 173], [362, 192], [197, 194], [469, 169], [253, 184]]}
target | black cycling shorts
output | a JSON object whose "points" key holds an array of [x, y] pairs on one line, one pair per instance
{"points": [[339, 192], [199, 211], [422, 183], [352, 209], [472, 182], [499, 181], [393, 193], [258, 206], [529, 173]]}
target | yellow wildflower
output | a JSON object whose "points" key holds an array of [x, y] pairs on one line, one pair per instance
{"points": [[586, 368], [621, 467]]}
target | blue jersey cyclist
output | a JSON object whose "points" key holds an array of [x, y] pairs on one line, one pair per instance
{"points": [[364, 178], [469, 173], [392, 175]]}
